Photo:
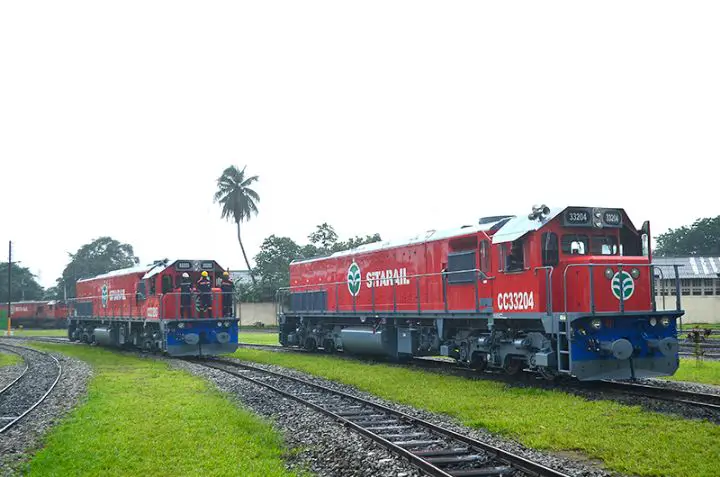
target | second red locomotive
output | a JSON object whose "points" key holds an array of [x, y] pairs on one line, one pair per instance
{"points": [[562, 291]]}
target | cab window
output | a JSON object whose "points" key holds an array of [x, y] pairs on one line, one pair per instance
{"points": [[550, 252], [512, 256], [604, 245], [574, 244]]}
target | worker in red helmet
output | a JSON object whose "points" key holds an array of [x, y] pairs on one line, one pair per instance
{"points": [[204, 287], [227, 287]]}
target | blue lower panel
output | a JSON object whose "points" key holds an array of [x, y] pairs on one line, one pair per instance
{"points": [[201, 338], [620, 347]]}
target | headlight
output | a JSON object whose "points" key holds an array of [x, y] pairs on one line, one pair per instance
{"points": [[596, 324], [563, 317], [227, 324], [653, 321], [181, 325], [665, 321], [608, 273], [219, 324], [581, 330], [635, 273]]}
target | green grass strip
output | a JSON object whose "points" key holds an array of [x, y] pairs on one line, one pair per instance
{"points": [[43, 332], [142, 418], [258, 338], [9, 359], [706, 372], [625, 438]]}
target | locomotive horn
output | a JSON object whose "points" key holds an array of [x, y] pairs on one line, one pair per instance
{"points": [[538, 211]]}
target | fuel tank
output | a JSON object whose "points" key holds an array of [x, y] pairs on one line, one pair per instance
{"points": [[363, 341]]}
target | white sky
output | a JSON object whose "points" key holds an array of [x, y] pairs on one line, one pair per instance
{"points": [[116, 118]]}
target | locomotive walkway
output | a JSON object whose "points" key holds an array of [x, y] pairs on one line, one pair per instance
{"points": [[436, 450]]}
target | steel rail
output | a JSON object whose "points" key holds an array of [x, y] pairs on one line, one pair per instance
{"points": [[668, 394], [47, 393], [27, 366], [517, 462]]}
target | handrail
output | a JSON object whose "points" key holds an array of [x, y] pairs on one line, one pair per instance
{"points": [[620, 266], [548, 286]]}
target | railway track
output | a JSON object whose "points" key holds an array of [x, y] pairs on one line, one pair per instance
{"points": [[437, 451], [42, 372], [709, 402], [701, 400]]}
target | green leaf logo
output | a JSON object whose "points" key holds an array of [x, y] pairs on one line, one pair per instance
{"points": [[104, 295], [628, 285], [353, 279]]}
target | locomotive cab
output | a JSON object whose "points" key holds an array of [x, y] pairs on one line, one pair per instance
{"points": [[603, 299]]}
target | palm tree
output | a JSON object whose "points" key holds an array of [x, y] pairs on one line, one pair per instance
{"points": [[238, 200]]}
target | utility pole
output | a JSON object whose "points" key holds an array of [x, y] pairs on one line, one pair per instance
{"points": [[9, 285]]}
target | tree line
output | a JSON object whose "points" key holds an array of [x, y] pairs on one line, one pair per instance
{"points": [[238, 202]]}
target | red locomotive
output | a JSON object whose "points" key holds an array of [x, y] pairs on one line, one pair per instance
{"points": [[559, 291], [158, 307], [38, 314]]}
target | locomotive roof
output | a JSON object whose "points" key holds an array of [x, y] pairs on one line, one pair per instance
{"points": [[120, 272], [428, 236], [520, 225], [506, 229]]}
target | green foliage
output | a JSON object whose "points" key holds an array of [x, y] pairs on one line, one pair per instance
{"points": [[700, 238], [23, 286], [142, 418], [100, 256], [238, 201], [626, 438]]}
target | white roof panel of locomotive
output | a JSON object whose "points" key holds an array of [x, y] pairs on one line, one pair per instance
{"points": [[428, 236], [522, 224], [120, 272]]}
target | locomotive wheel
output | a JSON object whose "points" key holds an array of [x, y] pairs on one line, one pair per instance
{"points": [[329, 346], [311, 345], [478, 362], [512, 366]]}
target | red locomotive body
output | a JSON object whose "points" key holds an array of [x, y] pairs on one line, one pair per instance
{"points": [[144, 306], [568, 290]]}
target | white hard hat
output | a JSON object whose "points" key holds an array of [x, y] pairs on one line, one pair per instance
{"points": [[185, 275]]}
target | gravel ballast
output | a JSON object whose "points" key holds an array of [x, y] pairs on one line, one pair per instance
{"points": [[330, 449], [19, 442]]}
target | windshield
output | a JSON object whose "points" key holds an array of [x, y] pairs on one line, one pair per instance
{"points": [[582, 244]]}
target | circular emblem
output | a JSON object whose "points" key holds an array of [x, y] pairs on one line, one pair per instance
{"points": [[353, 278], [104, 295], [628, 285]]}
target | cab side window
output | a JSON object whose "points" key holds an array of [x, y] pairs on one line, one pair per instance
{"points": [[550, 251], [512, 256]]}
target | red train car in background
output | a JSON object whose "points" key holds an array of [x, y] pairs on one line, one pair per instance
{"points": [[38, 314]]}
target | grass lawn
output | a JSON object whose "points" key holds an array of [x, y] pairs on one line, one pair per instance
{"points": [[706, 372], [625, 438], [8, 359], [142, 418], [258, 338], [62, 332]]}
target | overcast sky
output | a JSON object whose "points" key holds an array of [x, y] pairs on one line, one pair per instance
{"points": [[116, 118]]}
